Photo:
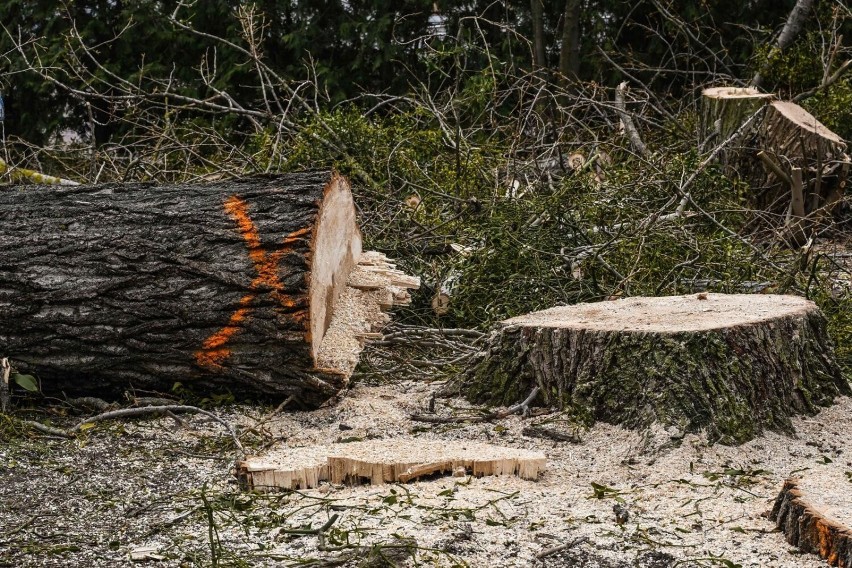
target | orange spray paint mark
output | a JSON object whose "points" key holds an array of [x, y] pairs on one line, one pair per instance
{"points": [[214, 350]]}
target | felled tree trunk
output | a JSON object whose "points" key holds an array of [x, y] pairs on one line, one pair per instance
{"points": [[230, 285], [815, 514], [730, 364]]}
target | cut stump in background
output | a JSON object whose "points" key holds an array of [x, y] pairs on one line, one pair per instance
{"points": [[797, 167], [731, 364], [815, 514], [807, 160], [239, 285], [725, 109], [384, 461]]}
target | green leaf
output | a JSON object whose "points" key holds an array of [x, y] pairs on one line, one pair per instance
{"points": [[602, 492], [26, 382]]}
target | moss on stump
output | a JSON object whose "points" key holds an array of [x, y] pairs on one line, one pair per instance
{"points": [[731, 364]]}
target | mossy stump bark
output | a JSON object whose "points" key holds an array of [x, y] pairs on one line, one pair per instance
{"points": [[231, 285], [815, 515], [733, 365]]}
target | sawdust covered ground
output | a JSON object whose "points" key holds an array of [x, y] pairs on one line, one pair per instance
{"points": [[164, 494]]}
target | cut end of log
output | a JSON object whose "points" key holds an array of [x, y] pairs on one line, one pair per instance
{"points": [[336, 249], [669, 314], [384, 461], [373, 287], [815, 514]]}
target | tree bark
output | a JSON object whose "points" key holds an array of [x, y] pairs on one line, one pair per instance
{"points": [[733, 365], [222, 286]]}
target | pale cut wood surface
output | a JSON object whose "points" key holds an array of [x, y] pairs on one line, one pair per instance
{"points": [[384, 461]]}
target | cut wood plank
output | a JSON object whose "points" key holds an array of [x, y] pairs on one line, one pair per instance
{"points": [[814, 512], [385, 461], [731, 364]]}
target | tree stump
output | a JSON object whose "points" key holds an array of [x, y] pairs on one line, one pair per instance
{"points": [[231, 285], [730, 364], [815, 514], [805, 160], [796, 165], [726, 109]]}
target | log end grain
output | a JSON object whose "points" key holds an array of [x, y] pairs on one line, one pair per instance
{"points": [[734, 93], [806, 121]]}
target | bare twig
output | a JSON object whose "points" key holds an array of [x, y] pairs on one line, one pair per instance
{"points": [[561, 548]]}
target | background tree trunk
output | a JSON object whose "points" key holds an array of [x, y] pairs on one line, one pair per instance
{"points": [[539, 53], [792, 27], [226, 286], [569, 54]]}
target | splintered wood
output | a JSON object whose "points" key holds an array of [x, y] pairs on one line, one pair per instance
{"points": [[385, 461], [815, 514], [374, 286]]}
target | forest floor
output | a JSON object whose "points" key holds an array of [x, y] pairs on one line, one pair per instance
{"points": [[155, 492]]}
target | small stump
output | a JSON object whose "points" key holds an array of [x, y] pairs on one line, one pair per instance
{"points": [[731, 364], [815, 514]]}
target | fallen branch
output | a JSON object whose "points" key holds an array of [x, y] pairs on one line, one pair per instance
{"points": [[557, 549], [132, 413], [23, 174], [522, 407]]}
